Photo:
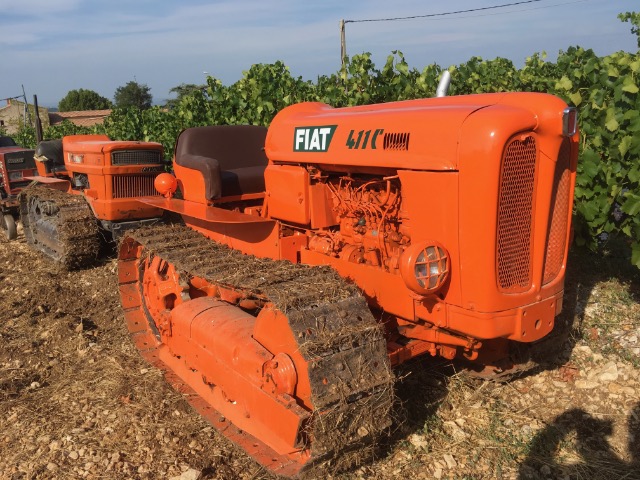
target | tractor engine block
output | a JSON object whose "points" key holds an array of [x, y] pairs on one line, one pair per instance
{"points": [[369, 226]]}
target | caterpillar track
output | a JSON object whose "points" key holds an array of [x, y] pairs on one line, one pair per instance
{"points": [[338, 349], [60, 225]]}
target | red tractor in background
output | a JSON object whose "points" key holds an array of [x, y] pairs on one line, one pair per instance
{"points": [[16, 164], [312, 258]]}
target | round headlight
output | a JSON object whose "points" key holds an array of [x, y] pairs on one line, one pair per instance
{"points": [[424, 267]]}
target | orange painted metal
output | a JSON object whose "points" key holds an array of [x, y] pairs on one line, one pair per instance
{"points": [[221, 358], [113, 188], [452, 181], [291, 203], [52, 182], [486, 180], [443, 167]]}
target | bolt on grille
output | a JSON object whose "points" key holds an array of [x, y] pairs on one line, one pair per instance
{"points": [[124, 186], [515, 215], [559, 214], [136, 157], [396, 141]]}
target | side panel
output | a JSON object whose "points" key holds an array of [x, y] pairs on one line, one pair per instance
{"points": [[430, 200], [288, 193]]}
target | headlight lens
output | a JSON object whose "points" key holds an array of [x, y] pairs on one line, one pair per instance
{"points": [[425, 267]]}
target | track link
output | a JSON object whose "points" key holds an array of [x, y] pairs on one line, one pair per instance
{"points": [[60, 225], [351, 381]]}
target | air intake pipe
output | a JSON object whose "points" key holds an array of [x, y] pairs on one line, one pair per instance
{"points": [[443, 85]]}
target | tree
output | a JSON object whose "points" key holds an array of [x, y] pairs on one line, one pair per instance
{"points": [[133, 94], [184, 90], [82, 99], [634, 19]]}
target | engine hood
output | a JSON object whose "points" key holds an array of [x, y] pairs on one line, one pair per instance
{"points": [[420, 134]]}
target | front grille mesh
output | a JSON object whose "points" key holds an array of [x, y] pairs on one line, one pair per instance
{"points": [[515, 215], [136, 157], [125, 186], [560, 201]]}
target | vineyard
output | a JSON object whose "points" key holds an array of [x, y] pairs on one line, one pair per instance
{"points": [[604, 89]]}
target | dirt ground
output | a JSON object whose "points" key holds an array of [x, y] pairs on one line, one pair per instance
{"points": [[77, 401]]}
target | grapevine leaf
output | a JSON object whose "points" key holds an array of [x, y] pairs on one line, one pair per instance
{"points": [[625, 144], [564, 83], [576, 98], [612, 124], [628, 85], [631, 206]]}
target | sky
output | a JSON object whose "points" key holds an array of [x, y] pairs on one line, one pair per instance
{"points": [[53, 46]]}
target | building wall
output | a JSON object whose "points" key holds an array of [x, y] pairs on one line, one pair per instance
{"points": [[12, 116]]}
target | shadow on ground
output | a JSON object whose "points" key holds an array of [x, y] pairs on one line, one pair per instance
{"points": [[596, 460]]}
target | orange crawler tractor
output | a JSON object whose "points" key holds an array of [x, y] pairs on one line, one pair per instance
{"points": [[356, 239], [86, 185]]}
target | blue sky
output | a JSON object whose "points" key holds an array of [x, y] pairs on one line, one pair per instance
{"points": [[53, 46]]}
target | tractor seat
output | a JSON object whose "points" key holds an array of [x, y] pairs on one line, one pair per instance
{"points": [[50, 153], [231, 158]]}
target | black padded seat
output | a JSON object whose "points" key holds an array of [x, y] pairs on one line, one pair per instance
{"points": [[50, 153], [231, 158]]}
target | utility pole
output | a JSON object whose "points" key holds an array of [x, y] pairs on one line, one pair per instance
{"points": [[343, 51], [27, 114]]}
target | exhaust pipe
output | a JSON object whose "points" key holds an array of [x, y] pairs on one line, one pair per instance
{"points": [[37, 120], [443, 85]]}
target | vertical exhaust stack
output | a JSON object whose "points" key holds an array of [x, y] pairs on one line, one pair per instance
{"points": [[443, 85], [38, 122]]}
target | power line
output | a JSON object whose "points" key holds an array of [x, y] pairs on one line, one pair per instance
{"points": [[431, 15], [10, 98]]}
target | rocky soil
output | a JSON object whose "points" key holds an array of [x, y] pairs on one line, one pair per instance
{"points": [[77, 401]]}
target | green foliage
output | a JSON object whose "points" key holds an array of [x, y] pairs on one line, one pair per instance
{"points": [[634, 19], [183, 90], [63, 129], [82, 99], [133, 94], [25, 137]]}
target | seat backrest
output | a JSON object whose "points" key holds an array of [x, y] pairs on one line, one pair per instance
{"points": [[7, 142], [234, 146], [222, 148]]}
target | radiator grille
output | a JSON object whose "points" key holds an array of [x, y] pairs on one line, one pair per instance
{"points": [[125, 186], [515, 215], [557, 234], [396, 141], [136, 157], [20, 160]]}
